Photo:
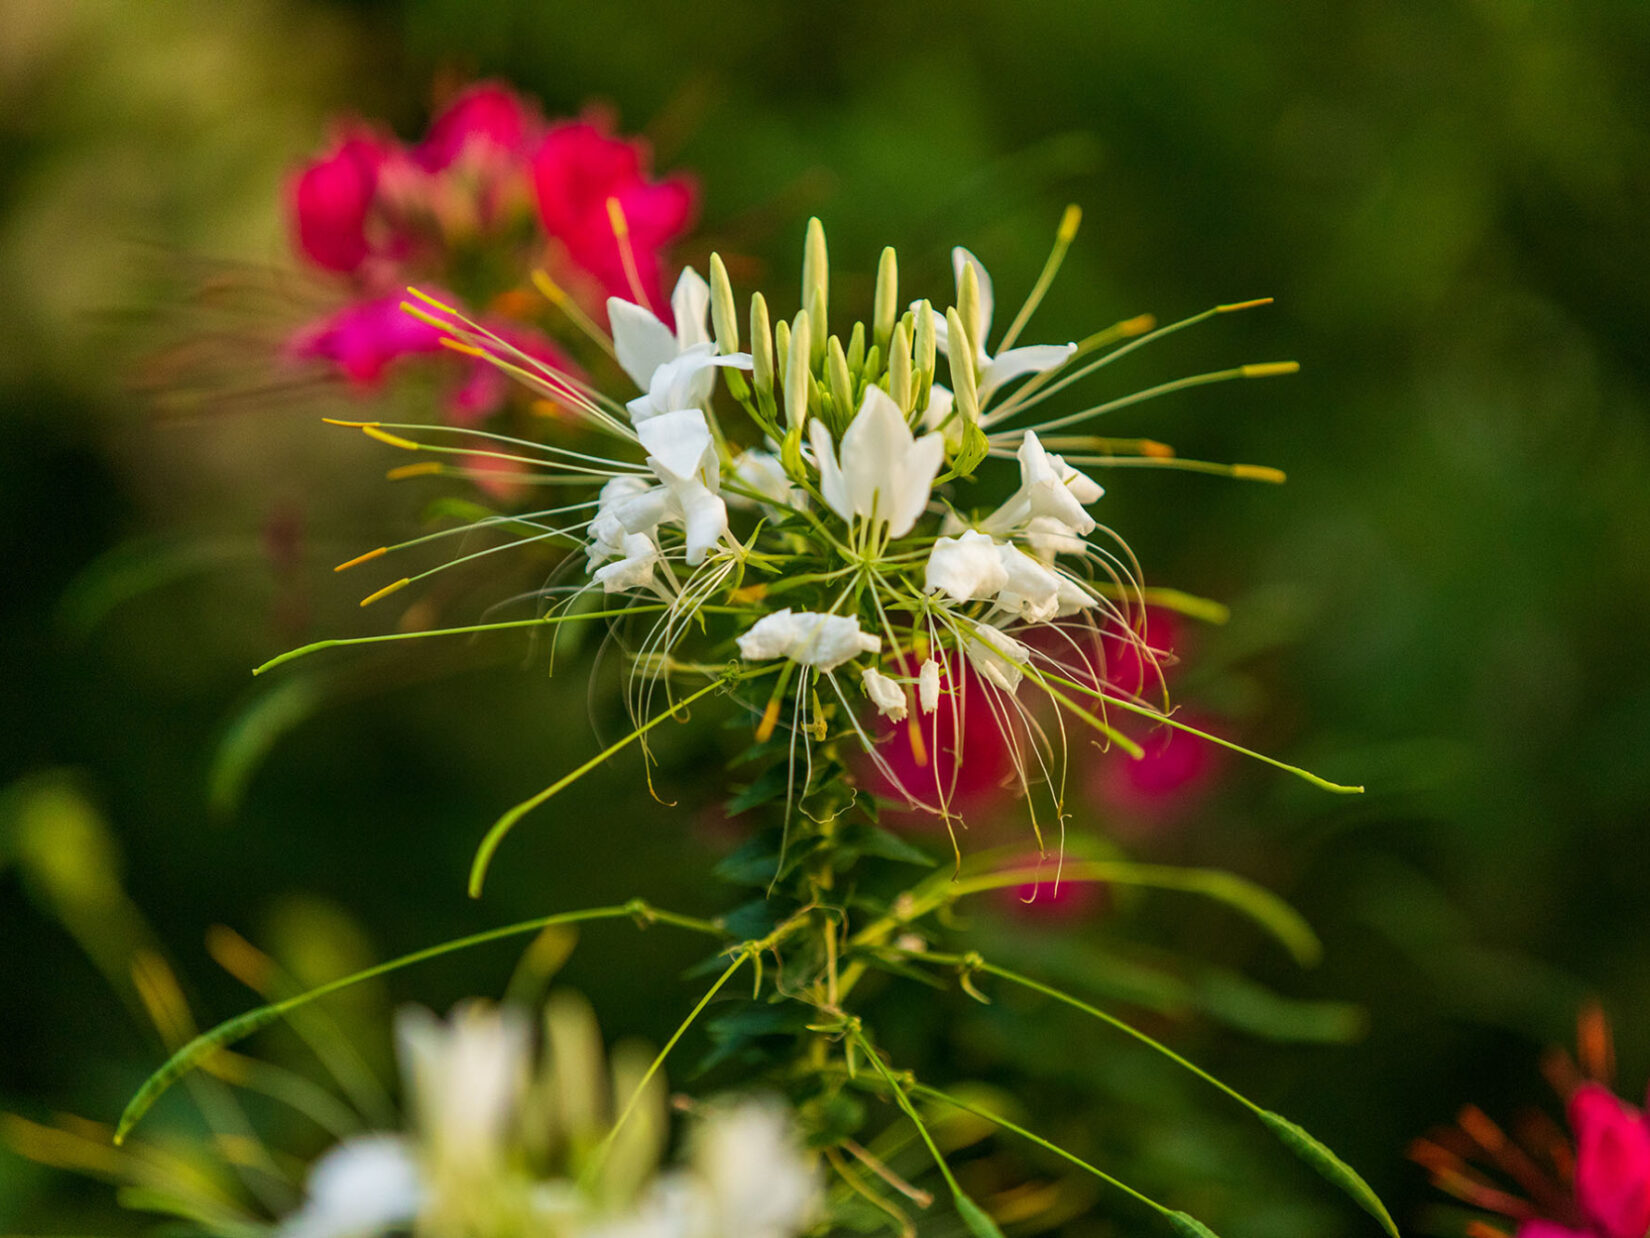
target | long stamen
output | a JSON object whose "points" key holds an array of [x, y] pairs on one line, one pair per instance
{"points": [[1062, 242], [627, 255]]}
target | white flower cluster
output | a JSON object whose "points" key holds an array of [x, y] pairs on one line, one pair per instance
{"points": [[482, 1116]]}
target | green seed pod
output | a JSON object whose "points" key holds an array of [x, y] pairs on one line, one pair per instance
{"points": [[886, 306], [816, 277], [797, 372], [761, 347], [899, 369], [723, 316]]}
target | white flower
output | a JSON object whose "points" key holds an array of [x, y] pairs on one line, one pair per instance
{"points": [[465, 1078], [365, 1186], [760, 1183], [627, 504], [885, 694], [1007, 365], [997, 656], [1048, 537], [967, 568], [682, 455], [762, 472], [928, 686], [1050, 488], [1030, 591], [884, 473], [635, 569], [808, 637], [675, 370]]}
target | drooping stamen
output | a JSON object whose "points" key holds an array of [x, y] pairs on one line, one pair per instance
{"points": [[627, 255]]}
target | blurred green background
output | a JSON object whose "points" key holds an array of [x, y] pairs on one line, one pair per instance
{"points": [[1449, 601]]}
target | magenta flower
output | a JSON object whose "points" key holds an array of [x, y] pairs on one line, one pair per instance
{"points": [[1601, 1189], [577, 169], [331, 200], [364, 337], [486, 121], [1612, 1182]]}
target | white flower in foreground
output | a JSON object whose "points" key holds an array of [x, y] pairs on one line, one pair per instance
{"points": [[997, 656], [627, 504], [635, 569], [813, 639], [465, 1078], [928, 686], [1048, 538], [365, 1186], [1009, 364], [760, 1183], [966, 568], [884, 471], [885, 694], [1049, 488], [674, 369], [682, 455]]}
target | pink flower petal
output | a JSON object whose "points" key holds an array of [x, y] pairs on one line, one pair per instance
{"points": [[329, 201], [365, 337], [1612, 1179], [486, 117]]}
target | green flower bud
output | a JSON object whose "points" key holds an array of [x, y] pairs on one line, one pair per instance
{"points": [[816, 318], [968, 306], [856, 348], [797, 370], [816, 278], [842, 380], [781, 348], [899, 369], [886, 306], [762, 367], [961, 353], [723, 316]]}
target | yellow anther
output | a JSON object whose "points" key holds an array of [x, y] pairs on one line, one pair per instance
{"points": [[371, 554], [424, 468], [1271, 369], [1259, 472], [385, 591], [384, 436], [1243, 305]]}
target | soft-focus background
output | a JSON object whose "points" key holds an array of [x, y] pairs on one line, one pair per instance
{"points": [[1449, 600]]}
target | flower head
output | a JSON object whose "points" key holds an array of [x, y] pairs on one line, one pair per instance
{"points": [[832, 529]]}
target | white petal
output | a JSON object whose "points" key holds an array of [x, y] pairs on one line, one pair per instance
{"points": [[928, 686], [873, 449], [1049, 537], [885, 694], [1030, 591], [769, 637], [762, 472], [966, 568], [690, 304], [364, 1186], [705, 517], [465, 1078], [760, 1182], [997, 656], [961, 258], [922, 465], [1073, 597], [832, 487], [635, 569], [1031, 359], [679, 444], [642, 342]]}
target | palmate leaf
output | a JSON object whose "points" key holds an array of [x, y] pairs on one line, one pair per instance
{"points": [[241, 1026]]}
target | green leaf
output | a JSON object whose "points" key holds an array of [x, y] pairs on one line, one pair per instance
{"points": [[752, 863], [871, 840], [979, 1224], [1329, 1165], [1184, 1223]]}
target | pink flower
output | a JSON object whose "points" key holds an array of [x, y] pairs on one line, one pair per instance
{"points": [[1161, 786], [1612, 1181], [486, 388], [576, 169], [484, 121], [365, 337], [331, 199]]}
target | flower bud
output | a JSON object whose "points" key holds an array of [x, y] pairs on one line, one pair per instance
{"points": [[816, 277], [856, 350], [723, 316], [961, 354], [885, 307], [968, 306], [841, 380], [816, 319], [797, 370], [762, 360], [899, 369]]}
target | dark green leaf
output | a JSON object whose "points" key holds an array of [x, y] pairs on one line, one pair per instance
{"points": [[1330, 1166]]}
